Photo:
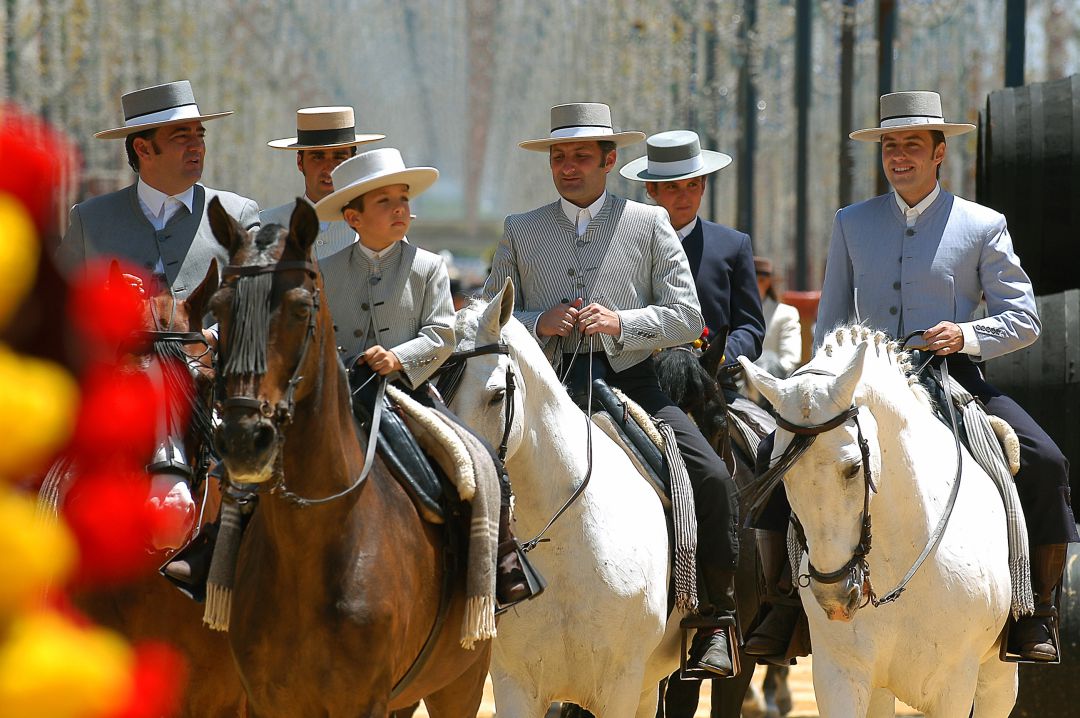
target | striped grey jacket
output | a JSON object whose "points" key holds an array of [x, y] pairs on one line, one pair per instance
{"points": [[334, 237], [401, 302], [629, 260]]}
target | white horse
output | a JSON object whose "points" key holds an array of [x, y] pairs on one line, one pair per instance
{"points": [[600, 635], [936, 647]]}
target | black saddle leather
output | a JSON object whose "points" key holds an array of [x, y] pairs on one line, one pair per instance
{"points": [[636, 440], [421, 478]]}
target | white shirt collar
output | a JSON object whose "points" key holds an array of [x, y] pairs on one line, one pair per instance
{"points": [[913, 213], [685, 231], [571, 210], [372, 254], [155, 199]]}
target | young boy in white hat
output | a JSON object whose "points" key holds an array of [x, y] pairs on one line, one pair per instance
{"points": [[391, 300], [325, 137]]}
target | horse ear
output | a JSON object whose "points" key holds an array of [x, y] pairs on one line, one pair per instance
{"points": [[225, 228], [763, 381], [498, 312], [303, 226], [848, 380], [200, 297]]}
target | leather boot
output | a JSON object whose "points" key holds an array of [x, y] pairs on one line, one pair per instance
{"points": [[1032, 637], [711, 651], [772, 636], [190, 566], [512, 571]]}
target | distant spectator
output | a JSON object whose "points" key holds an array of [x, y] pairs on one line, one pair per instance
{"points": [[781, 351]]}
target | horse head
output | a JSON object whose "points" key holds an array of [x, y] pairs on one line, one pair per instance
{"points": [[270, 318], [828, 438], [483, 365], [173, 350]]}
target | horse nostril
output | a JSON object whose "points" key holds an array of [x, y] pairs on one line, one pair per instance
{"points": [[264, 436]]}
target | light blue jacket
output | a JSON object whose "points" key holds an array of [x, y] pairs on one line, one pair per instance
{"points": [[899, 280]]}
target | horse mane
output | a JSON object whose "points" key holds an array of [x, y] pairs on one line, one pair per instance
{"points": [[883, 352]]}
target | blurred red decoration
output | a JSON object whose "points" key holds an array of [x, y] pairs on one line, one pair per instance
{"points": [[158, 680], [105, 311], [108, 513], [118, 417], [36, 161]]}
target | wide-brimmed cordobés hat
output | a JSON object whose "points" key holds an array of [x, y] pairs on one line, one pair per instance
{"points": [[581, 122], [324, 128], [368, 171], [157, 106], [919, 110], [674, 155]]}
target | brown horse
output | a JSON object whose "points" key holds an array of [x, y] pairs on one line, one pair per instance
{"points": [[333, 602], [151, 608]]}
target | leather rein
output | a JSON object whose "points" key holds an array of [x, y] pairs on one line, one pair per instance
{"points": [[858, 564], [449, 379], [281, 414]]}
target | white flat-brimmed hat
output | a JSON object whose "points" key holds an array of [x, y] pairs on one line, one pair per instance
{"points": [[371, 170], [674, 155], [581, 122], [324, 128], [158, 106], [920, 110]]}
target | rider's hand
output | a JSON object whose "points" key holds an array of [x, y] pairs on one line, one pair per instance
{"points": [[944, 338], [135, 283], [598, 319], [559, 320], [382, 361]]}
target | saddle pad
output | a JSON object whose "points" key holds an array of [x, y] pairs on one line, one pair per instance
{"points": [[439, 441], [603, 420]]}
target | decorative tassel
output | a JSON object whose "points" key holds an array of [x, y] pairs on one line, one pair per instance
{"points": [[223, 567], [251, 325], [478, 623], [218, 607]]}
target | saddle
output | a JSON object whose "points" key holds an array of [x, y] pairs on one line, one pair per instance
{"points": [[423, 480]]}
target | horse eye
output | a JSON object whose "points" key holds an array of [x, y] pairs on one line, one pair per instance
{"points": [[852, 471], [497, 397]]}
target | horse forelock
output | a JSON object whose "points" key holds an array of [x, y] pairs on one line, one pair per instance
{"points": [[886, 362]]}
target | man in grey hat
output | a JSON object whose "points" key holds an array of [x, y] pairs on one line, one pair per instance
{"points": [[675, 170], [325, 137], [921, 258], [158, 224], [592, 269]]}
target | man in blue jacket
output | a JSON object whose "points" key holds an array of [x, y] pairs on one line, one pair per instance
{"points": [[920, 258], [675, 170]]}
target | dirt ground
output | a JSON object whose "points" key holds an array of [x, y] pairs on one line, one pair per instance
{"points": [[800, 682]]}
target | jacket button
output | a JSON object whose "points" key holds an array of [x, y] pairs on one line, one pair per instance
{"points": [[893, 310], [365, 306], [896, 285], [570, 272], [910, 232], [358, 333], [580, 243]]}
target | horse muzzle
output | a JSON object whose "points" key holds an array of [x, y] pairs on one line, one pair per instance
{"points": [[839, 600], [249, 446]]}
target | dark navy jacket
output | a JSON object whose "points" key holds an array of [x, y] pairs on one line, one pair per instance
{"points": [[723, 266]]}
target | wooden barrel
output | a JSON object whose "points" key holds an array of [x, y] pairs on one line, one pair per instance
{"points": [[1045, 377], [1028, 169]]}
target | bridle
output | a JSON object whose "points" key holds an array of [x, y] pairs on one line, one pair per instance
{"points": [[449, 378], [857, 566], [280, 415]]}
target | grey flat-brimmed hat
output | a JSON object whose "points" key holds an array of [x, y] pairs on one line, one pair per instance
{"points": [[324, 128], [581, 122], [674, 155], [919, 110], [371, 170], [158, 106]]}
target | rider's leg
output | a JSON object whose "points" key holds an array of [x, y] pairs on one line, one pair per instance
{"points": [[511, 583], [1042, 485], [772, 635]]}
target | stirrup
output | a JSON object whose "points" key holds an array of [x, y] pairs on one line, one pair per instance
{"points": [[533, 580], [693, 622], [1054, 614]]}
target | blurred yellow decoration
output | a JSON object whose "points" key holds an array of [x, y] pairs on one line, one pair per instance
{"points": [[19, 251], [34, 553], [51, 668], [37, 413]]}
